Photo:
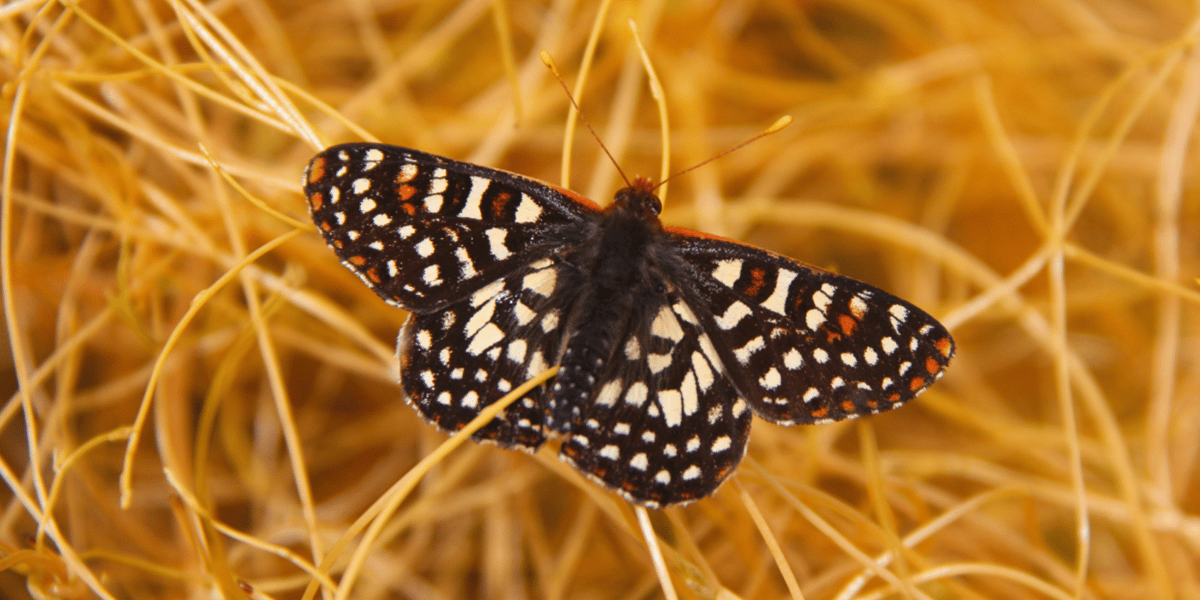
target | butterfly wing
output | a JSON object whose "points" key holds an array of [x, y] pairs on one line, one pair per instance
{"points": [[665, 424], [458, 360], [425, 231], [804, 345], [471, 251]]}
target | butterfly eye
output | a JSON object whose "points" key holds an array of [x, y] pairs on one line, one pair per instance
{"points": [[653, 205]]}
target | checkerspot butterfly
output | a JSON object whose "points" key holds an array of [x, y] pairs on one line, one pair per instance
{"points": [[667, 339]]}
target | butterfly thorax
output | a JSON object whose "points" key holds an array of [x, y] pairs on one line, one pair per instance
{"points": [[620, 268]]}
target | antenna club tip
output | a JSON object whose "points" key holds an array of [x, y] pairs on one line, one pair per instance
{"points": [[783, 121], [548, 60]]}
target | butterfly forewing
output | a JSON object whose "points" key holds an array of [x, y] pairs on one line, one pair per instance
{"points": [[422, 230], [809, 346]]}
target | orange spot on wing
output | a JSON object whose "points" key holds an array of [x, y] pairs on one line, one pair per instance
{"points": [[499, 204], [357, 260], [326, 226], [337, 244], [757, 277], [872, 404], [944, 346], [317, 200], [894, 398], [409, 208], [373, 276], [932, 365], [848, 323], [847, 406], [820, 413], [406, 191], [916, 383], [403, 177], [316, 170]]}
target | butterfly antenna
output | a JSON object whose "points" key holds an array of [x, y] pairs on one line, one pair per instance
{"points": [[549, 62], [783, 121]]}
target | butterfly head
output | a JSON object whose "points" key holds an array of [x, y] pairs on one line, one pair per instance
{"points": [[639, 199]]}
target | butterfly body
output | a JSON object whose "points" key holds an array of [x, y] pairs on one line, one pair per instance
{"points": [[667, 341]]}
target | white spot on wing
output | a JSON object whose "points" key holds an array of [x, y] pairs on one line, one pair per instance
{"points": [[633, 350], [671, 402], [666, 325], [425, 247], [728, 271], [733, 315], [431, 275], [496, 238], [658, 362], [528, 211], [744, 353], [541, 282], [523, 313], [465, 265], [361, 186], [433, 203], [704, 375], [471, 210], [537, 364], [486, 338], [516, 351], [814, 318], [691, 397], [639, 461], [777, 302], [771, 379], [636, 394], [609, 393]]}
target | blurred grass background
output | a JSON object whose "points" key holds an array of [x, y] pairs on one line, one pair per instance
{"points": [[1025, 171]]}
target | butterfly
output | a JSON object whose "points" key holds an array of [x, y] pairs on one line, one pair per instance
{"points": [[667, 340]]}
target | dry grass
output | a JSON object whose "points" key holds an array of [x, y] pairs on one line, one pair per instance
{"points": [[180, 339]]}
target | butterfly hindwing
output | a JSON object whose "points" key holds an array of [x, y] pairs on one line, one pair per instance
{"points": [[665, 424], [809, 346], [456, 361]]}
